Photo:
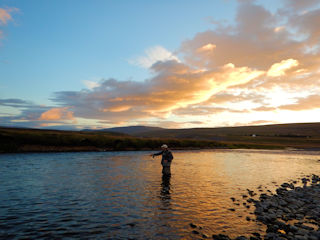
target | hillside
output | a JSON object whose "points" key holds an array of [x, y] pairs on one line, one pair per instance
{"points": [[304, 135], [36, 140], [132, 130]]}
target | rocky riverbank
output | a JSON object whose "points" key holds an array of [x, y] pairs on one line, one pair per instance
{"points": [[293, 212]]}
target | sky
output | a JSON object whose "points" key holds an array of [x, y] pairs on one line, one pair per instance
{"points": [[175, 64]]}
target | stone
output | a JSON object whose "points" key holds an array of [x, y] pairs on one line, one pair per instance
{"points": [[241, 238], [192, 225], [220, 237]]}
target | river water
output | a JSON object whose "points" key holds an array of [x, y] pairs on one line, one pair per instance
{"points": [[122, 195]]}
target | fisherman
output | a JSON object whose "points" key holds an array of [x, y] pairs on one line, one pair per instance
{"points": [[166, 159]]}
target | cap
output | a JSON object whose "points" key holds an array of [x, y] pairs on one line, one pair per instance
{"points": [[164, 146]]}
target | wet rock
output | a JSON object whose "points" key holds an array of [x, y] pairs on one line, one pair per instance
{"points": [[272, 228], [250, 200], [195, 232], [204, 236], [241, 238], [220, 237], [254, 238], [291, 213], [285, 185], [301, 237], [256, 234], [251, 193], [193, 225]]}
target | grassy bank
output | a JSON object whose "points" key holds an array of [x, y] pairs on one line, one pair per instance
{"points": [[35, 140], [295, 135]]}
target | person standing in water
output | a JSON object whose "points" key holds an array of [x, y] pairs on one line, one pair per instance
{"points": [[166, 159]]}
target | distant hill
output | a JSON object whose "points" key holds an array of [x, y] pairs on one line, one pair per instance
{"points": [[132, 130], [300, 136], [276, 130], [297, 135], [39, 140]]}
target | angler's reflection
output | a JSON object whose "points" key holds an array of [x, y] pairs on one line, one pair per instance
{"points": [[165, 189]]}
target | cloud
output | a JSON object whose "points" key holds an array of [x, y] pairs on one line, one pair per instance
{"points": [[5, 15], [174, 85], [57, 114], [278, 69], [301, 5], [234, 70], [207, 48], [254, 123], [153, 55], [35, 116], [261, 122], [265, 109], [307, 103], [15, 102], [91, 84]]}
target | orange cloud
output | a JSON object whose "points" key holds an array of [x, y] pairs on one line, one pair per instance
{"points": [[207, 48], [57, 114], [307, 103], [279, 69], [5, 15], [231, 69]]}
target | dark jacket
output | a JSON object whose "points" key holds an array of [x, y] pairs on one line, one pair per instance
{"points": [[166, 155]]}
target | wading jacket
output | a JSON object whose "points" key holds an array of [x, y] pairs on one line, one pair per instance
{"points": [[166, 155]]}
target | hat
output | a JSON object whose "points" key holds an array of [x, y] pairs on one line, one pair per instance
{"points": [[164, 146]]}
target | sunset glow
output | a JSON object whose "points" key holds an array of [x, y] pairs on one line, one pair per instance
{"points": [[232, 63]]}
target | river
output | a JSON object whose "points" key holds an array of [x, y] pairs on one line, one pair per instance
{"points": [[122, 195]]}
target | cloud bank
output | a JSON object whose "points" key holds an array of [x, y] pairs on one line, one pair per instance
{"points": [[239, 69]]}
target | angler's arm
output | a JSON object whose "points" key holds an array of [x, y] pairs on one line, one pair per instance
{"points": [[157, 154]]}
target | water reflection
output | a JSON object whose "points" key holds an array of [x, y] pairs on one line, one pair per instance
{"points": [[123, 195], [165, 190]]}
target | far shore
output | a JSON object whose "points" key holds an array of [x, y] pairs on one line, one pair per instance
{"points": [[13, 140], [61, 149]]}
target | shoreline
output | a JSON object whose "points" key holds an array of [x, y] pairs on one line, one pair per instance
{"points": [[292, 212], [60, 149]]}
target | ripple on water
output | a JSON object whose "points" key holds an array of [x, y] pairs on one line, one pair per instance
{"points": [[123, 195]]}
